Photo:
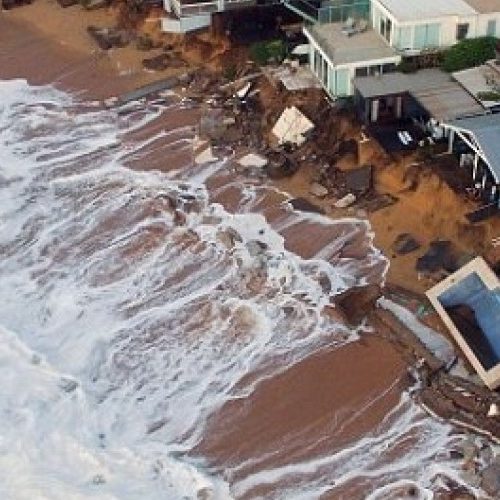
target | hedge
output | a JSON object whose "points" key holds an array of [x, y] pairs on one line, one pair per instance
{"points": [[469, 53], [262, 52]]}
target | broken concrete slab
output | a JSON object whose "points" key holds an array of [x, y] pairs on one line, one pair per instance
{"points": [[359, 180], [405, 243], [346, 201], [318, 190], [306, 206], [252, 160], [292, 127], [206, 156]]}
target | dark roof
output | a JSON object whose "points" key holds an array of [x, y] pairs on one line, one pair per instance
{"points": [[486, 131], [436, 91]]}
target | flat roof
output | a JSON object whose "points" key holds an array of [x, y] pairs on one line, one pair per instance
{"points": [[486, 131], [482, 78], [484, 6], [468, 302], [343, 49], [420, 10], [441, 96]]}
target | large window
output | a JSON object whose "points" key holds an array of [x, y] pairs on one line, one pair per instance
{"points": [[427, 36], [492, 27], [462, 31], [342, 82], [403, 38]]}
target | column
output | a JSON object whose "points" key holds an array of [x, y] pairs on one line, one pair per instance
{"points": [[476, 163], [374, 116], [399, 107], [451, 139]]}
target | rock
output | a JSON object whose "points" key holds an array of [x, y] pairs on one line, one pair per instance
{"points": [[98, 479], [490, 480], [438, 256], [107, 38], [67, 3], [95, 4], [157, 63], [144, 42], [346, 201], [229, 121], [68, 385], [469, 449], [281, 167], [324, 282], [306, 206], [180, 218], [256, 247], [228, 237], [493, 410], [359, 180], [405, 243], [357, 302], [318, 190], [10, 4]]}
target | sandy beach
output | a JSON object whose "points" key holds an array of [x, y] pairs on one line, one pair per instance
{"points": [[327, 402]]}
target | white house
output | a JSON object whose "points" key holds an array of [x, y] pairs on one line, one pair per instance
{"points": [[336, 59], [412, 26], [351, 47]]}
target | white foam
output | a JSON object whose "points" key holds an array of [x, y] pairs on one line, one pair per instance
{"points": [[158, 324]]}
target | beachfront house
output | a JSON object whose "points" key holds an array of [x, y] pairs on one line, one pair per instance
{"points": [[428, 24], [355, 38]]}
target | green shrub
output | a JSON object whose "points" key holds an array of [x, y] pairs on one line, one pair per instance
{"points": [[262, 52], [407, 66], [488, 96], [469, 53]]}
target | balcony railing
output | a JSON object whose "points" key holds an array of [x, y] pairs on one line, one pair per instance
{"points": [[330, 11]]}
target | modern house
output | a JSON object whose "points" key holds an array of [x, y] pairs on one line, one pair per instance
{"points": [[355, 38], [427, 24], [468, 302]]}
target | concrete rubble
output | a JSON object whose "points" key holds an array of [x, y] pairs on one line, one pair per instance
{"points": [[292, 127]]}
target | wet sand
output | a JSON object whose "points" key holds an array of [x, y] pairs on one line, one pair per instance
{"points": [[321, 404]]}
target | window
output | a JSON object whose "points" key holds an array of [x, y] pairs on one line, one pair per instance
{"points": [[403, 38], [388, 68], [462, 30], [374, 70], [363, 71], [342, 82], [388, 28], [427, 35], [492, 28]]}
